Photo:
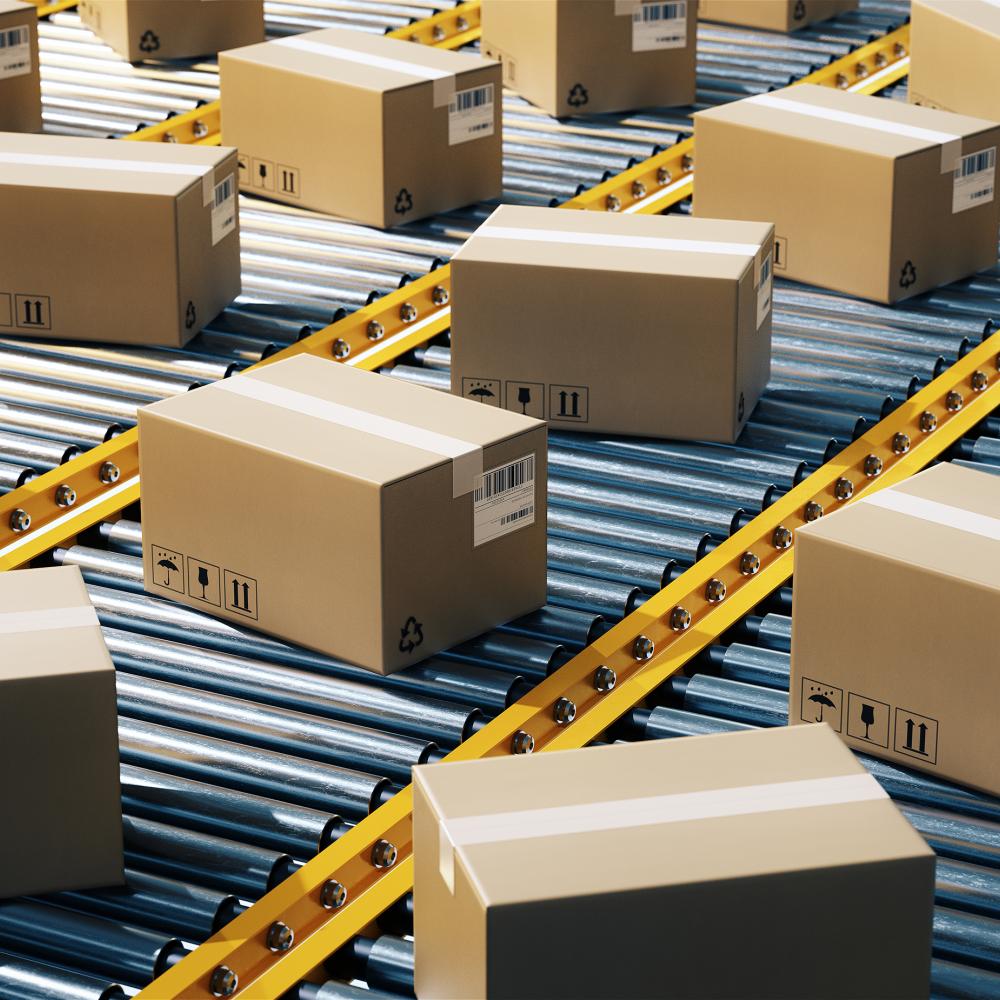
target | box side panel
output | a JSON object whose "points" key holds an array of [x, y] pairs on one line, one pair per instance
{"points": [[772, 15], [522, 36], [440, 588], [933, 244], [108, 19], [259, 539], [922, 697], [423, 172], [819, 198], [449, 926], [753, 347], [208, 250], [20, 89], [62, 798], [279, 156], [181, 29], [88, 265]]}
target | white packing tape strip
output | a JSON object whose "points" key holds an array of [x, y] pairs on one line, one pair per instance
{"points": [[951, 144], [654, 810], [443, 80], [467, 458], [47, 619], [937, 513]]}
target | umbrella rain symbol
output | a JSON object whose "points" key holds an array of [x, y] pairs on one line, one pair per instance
{"points": [[168, 565], [482, 392], [822, 699]]}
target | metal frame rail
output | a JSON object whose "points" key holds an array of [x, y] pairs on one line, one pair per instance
{"points": [[339, 893]]}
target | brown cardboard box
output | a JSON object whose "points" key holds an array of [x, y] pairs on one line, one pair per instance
{"points": [[773, 15], [896, 599], [574, 57], [128, 242], [540, 295], [20, 87], [868, 196], [62, 817], [955, 56], [385, 521], [764, 864], [413, 130], [174, 29]]}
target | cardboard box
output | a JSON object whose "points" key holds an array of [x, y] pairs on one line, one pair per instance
{"points": [[62, 817], [773, 15], [415, 129], [539, 296], [647, 871], [955, 56], [173, 29], [870, 197], [127, 242], [354, 514], [20, 86], [576, 57], [892, 634]]}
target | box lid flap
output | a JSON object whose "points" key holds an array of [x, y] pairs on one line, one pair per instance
{"points": [[75, 164], [981, 14], [872, 125], [945, 519], [610, 819], [12, 6], [647, 244], [48, 625], [370, 427]]}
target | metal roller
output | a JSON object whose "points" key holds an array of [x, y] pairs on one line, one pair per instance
{"points": [[23, 980]]}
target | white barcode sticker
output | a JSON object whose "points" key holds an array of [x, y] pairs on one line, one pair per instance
{"points": [[764, 291], [15, 52], [223, 208], [974, 180], [504, 500], [470, 114], [659, 26]]}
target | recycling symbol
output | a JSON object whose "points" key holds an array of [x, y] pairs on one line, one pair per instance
{"points": [[149, 42], [190, 316], [741, 409], [404, 201], [412, 635], [800, 10], [578, 96], [908, 276]]}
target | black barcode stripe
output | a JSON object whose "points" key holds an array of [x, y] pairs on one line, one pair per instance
{"points": [[16, 36], [508, 477], [765, 271], [517, 515], [475, 98], [661, 12], [975, 163], [223, 191]]}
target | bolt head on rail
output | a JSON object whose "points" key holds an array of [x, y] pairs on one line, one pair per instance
{"points": [[781, 538], [20, 520], [564, 711], [680, 619], [605, 678], [663, 176], [749, 564], [979, 381], [612, 203], [638, 189], [65, 496], [440, 296], [843, 489], [109, 473], [375, 331], [872, 466], [407, 312], [900, 443], [224, 982], [384, 854], [813, 511], [953, 402], [715, 591], [642, 649], [522, 742], [928, 422], [280, 937], [341, 348], [333, 894]]}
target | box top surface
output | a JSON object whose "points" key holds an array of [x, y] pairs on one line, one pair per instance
{"points": [[357, 59], [662, 813], [830, 117], [981, 14], [48, 627], [73, 164], [945, 519], [369, 427], [14, 6], [603, 241]]}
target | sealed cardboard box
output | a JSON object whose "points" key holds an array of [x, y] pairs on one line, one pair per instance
{"points": [[568, 874], [540, 297], [416, 129], [576, 57], [174, 29], [127, 242], [896, 599], [387, 521], [826, 166], [955, 56], [62, 817], [20, 87], [773, 15]]}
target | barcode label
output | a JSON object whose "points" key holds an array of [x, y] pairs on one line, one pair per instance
{"points": [[470, 114], [764, 291], [659, 26], [223, 208], [15, 52], [975, 178], [504, 500]]}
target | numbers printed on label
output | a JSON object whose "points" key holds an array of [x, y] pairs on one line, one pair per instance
{"points": [[15, 52], [470, 114], [504, 500], [659, 26], [974, 181]]}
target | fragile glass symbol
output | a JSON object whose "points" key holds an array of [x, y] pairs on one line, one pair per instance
{"points": [[203, 579], [524, 397], [868, 718]]}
